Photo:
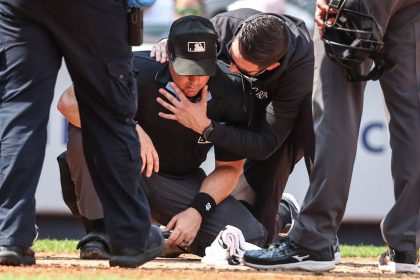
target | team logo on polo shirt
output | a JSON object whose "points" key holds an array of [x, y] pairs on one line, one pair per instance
{"points": [[196, 46], [260, 94]]}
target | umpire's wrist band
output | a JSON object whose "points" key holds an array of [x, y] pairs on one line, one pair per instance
{"points": [[204, 204]]}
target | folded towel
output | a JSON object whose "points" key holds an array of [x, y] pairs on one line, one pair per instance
{"points": [[228, 248]]}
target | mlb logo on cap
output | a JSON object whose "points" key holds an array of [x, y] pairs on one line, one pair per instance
{"points": [[196, 46], [192, 46]]}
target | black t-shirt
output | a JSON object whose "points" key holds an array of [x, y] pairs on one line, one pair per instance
{"points": [[277, 95], [179, 150]]}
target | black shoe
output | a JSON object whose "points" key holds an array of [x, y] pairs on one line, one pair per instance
{"points": [[94, 250], [134, 257], [13, 255], [289, 255], [287, 212], [94, 246], [399, 261], [336, 247]]}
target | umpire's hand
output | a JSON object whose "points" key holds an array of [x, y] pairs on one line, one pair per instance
{"points": [[185, 226]]}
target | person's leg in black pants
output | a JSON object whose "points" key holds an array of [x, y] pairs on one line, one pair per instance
{"points": [[29, 62], [92, 37], [269, 177], [106, 91]]}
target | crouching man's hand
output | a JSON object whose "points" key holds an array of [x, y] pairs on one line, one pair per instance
{"points": [[185, 226]]}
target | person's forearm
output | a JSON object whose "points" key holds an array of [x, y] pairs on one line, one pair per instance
{"points": [[258, 145], [220, 183]]}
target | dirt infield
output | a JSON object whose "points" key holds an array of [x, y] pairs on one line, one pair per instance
{"points": [[53, 265]]}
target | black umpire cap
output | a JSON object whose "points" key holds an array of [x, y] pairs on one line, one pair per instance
{"points": [[192, 46]]}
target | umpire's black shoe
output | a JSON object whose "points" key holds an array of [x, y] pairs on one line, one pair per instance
{"points": [[94, 250], [399, 261], [134, 257], [289, 255], [94, 246], [13, 255]]}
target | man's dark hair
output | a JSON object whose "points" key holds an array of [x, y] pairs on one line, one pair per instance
{"points": [[263, 40]]}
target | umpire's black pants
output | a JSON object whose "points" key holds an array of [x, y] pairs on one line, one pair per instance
{"points": [[92, 37], [168, 196]]}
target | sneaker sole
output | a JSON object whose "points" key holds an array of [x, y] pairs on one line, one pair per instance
{"points": [[399, 267], [305, 265], [136, 261]]}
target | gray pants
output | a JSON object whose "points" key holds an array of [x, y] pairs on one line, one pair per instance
{"points": [[168, 196], [337, 107], [88, 201]]}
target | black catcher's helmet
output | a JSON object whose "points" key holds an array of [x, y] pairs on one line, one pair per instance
{"points": [[354, 37]]}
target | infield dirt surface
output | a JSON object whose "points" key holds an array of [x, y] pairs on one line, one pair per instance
{"points": [[53, 265]]}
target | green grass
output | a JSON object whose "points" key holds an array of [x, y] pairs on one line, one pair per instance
{"points": [[54, 245], [68, 246], [362, 251]]}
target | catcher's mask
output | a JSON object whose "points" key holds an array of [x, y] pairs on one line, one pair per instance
{"points": [[354, 37]]}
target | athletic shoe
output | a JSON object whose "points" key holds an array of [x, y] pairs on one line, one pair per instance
{"points": [[134, 257], [13, 255], [287, 212], [336, 247], [290, 256], [399, 261]]}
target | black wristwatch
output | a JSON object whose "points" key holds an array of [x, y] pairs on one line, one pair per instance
{"points": [[208, 131]]}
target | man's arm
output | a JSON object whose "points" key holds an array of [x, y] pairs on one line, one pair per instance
{"points": [[257, 144], [219, 185], [69, 107]]}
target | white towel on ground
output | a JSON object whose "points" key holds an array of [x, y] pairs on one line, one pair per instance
{"points": [[228, 248]]}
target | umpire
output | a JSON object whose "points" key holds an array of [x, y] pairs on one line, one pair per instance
{"points": [[194, 205], [274, 56], [92, 36]]}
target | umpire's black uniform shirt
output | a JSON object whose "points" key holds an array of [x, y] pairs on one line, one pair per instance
{"points": [[178, 147]]}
